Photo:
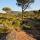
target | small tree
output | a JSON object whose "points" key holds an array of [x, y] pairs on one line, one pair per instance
{"points": [[7, 9], [24, 4]]}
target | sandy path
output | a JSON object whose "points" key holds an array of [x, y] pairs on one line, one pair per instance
{"points": [[19, 35]]}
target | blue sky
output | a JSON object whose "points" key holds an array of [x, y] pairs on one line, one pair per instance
{"points": [[14, 7]]}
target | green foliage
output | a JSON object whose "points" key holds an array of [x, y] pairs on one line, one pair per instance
{"points": [[6, 9], [24, 3], [13, 21], [7, 20]]}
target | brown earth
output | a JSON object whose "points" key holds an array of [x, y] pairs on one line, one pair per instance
{"points": [[17, 34]]}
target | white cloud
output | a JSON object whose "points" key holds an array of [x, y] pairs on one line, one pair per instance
{"points": [[2, 11]]}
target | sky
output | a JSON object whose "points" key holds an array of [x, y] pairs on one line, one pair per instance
{"points": [[14, 7]]}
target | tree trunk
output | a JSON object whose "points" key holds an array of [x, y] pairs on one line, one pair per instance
{"points": [[22, 12]]}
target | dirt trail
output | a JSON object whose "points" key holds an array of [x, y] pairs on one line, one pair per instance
{"points": [[19, 35]]}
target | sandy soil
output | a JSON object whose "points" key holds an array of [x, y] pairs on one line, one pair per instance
{"points": [[19, 35]]}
